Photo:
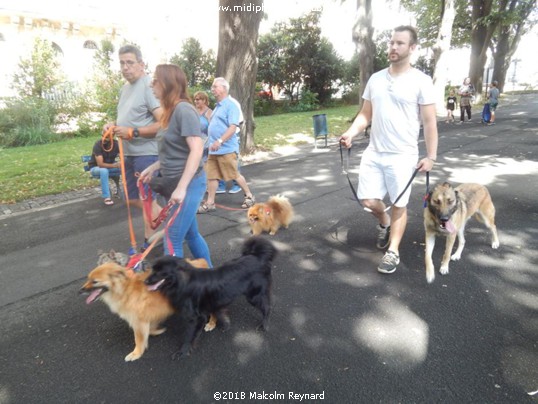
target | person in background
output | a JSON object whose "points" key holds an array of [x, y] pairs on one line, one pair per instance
{"points": [[451, 103], [235, 188], [201, 103], [466, 92], [493, 100], [137, 124], [391, 157], [103, 165], [182, 178], [224, 146]]}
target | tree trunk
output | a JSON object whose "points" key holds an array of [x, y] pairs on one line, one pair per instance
{"points": [[510, 34], [236, 59], [440, 49], [481, 40], [363, 32]]}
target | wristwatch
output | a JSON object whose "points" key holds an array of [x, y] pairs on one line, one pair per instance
{"points": [[219, 140], [136, 132]]}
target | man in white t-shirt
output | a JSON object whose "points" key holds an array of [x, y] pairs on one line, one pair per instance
{"points": [[396, 101]]}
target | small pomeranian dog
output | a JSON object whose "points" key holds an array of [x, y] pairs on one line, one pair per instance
{"points": [[127, 295], [197, 294], [270, 216]]}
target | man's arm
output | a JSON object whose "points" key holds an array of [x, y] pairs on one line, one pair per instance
{"points": [[359, 124], [429, 123], [145, 131]]}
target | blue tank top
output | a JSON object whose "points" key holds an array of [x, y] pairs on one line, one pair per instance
{"points": [[204, 122]]}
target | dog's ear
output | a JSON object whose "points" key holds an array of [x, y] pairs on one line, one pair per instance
{"points": [[447, 185]]}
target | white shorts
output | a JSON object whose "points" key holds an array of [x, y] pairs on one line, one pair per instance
{"points": [[382, 173]]}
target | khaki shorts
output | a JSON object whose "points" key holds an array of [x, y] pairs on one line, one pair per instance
{"points": [[222, 167]]}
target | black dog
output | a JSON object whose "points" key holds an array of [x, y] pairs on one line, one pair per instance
{"points": [[198, 293]]}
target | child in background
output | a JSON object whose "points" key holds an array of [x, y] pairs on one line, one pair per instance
{"points": [[451, 102]]}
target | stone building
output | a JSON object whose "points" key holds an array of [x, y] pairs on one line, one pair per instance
{"points": [[75, 36]]}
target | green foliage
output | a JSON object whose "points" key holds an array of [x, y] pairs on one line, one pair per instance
{"points": [[294, 54], [425, 65], [428, 15], [27, 121], [199, 66], [53, 168], [38, 73], [308, 101], [106, 83]]}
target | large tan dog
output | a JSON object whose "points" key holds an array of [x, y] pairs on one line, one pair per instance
{"points": [[447, 212], [126, 294]]}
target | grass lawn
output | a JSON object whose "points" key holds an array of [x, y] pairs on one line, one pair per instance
{"points": [[32, 171]]}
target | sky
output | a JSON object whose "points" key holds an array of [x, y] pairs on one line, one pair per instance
{"points": [[162, 29], [172, 22]]}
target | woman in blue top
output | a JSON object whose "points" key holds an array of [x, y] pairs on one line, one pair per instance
{"points": [[201, 103], [182, 178]]}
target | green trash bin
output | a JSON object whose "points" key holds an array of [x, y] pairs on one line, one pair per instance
{"points": [[320, 128]]}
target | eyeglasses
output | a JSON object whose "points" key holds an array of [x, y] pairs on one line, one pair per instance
{"points": [[197, 99], [129, 63]]}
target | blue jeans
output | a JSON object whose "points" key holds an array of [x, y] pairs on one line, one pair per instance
{"points": [[185, 225], [104, 174]]}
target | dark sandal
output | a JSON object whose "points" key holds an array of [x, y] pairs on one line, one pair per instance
{"points": [[248, 202], [205, 208]]}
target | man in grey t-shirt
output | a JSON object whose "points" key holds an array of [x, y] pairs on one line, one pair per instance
{"points": [[137, 124]]}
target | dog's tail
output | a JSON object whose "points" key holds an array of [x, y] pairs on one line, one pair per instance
{"points": [[261, 248]]}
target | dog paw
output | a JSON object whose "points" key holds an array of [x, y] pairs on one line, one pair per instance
{"points": [[430, 275], [455, 257], [180, 354], [132, 356], [262, 327], [444, 269], [495, 245], [157, 331], [210, 326]]}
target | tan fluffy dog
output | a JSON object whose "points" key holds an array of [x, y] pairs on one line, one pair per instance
{"points": [[126, 294], [270, 216], [447, 212]]}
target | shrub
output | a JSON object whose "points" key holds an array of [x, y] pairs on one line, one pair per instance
{"points": [[307, 102], [27, 121]]}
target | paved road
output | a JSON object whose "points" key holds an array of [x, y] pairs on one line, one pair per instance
{"points": [[339, 329]]}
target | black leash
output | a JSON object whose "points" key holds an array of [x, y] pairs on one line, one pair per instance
{"points": [[345, 171]]}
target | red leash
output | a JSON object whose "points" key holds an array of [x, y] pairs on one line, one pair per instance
{"points": [[147, 200], [154, 223]]}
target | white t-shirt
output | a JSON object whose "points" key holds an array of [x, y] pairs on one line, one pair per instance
{"points": [[395, 109]]}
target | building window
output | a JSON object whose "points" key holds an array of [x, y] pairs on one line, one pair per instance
{"points": [[89, 45]]}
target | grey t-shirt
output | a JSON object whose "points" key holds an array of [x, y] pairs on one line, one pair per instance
{"points": [[173, 147], [135, 109], [493, 95]]}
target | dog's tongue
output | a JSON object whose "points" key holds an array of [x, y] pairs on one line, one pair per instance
{"points": [[449, 226], [94, 295], [155, 286]]}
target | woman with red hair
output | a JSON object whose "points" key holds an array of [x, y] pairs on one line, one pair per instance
{"points": [[181, 179]]}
